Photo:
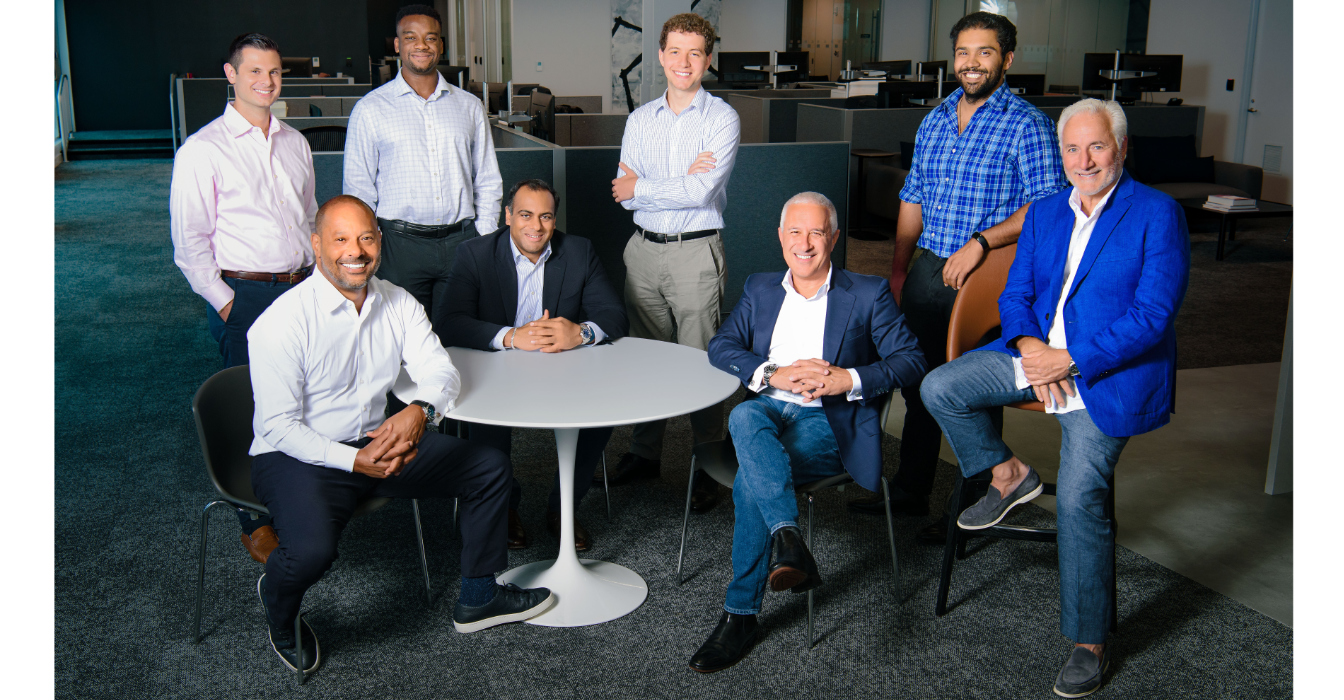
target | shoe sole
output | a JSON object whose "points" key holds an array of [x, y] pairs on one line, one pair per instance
{"points": [[1023, 499], [1105, 665], [786, 577], [745, 650], [317, 646], [497, 620]]}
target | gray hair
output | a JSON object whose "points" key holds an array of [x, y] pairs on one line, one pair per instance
{"points": [[816, 198], [1114, 114]]}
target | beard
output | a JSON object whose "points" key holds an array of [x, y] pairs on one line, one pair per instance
{"points": [[338, 275], [991, 83], [1109, 177]]}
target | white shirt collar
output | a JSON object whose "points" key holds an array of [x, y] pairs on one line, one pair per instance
{"points": [[403, 87], [821, 291], [330, 297], [1076, 201]]}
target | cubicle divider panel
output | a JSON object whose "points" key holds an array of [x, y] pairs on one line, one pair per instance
{"points": [[202, 100], [590, 104], [884, 129], [781, 115], [328, 171], [590, 211], [751, 116], [587, 130], [512, 138], [821, 123], [516, 165], [355, 90], [304, 122]]}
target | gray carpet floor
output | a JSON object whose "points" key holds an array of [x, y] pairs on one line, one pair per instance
{"points": [[131, 350]]}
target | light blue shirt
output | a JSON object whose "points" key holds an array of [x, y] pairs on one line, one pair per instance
{"points": [[531, 275]]}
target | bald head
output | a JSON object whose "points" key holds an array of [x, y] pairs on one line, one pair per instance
{"points": [[342, 202]]}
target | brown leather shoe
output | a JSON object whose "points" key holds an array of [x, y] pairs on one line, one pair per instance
{"points": [[262, 542], [517, 535], [582, 540]]}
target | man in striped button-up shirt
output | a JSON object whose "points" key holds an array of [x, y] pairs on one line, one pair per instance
{"points": [[676, 157], [981, 156]]}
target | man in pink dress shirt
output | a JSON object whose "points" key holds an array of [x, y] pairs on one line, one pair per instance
{"points": [[242, 206]]}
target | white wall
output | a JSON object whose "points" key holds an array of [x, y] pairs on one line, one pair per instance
{"points": [[905, 30], [753, 25], [571, 39]]}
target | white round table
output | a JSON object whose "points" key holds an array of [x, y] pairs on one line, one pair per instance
{"points": [[631, 380]]}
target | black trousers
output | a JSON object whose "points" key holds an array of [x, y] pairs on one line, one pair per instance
{"points": [[927, 304], [311, 505], [592, 441], [250, 298], [422, 266]]}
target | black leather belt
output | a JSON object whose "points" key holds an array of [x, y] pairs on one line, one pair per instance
{"points": [[668, 237], [410, 229]]}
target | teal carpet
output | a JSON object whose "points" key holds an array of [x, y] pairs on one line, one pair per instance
{"points": [[132, 348]]}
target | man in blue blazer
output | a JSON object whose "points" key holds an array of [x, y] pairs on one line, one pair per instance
{"points": [[1088, 319], [530, 287], [820, 347]]}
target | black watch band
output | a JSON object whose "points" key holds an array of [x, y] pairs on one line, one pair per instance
{"points": [[983, 241]]}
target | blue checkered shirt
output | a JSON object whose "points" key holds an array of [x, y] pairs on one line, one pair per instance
{"points": [[1008, 156]]}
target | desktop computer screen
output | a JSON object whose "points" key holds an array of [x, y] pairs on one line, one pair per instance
{"points": [[892, 68], [793, 58], [1027, 83], [929, 69], [732, 66], [294, 67]]}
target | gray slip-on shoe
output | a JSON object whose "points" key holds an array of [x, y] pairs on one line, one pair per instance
{"points": [[1082, 673], [988, 511]]}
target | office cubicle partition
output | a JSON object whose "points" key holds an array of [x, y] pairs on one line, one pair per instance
{"points": [[200, 100], [769, 118], [582, 130]]}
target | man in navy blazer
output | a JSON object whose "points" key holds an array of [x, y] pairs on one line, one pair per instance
{"points": [[1088, 319], [530, 287], [821, 348]]}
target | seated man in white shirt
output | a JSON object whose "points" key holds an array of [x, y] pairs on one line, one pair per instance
{"points": [[323, 358], [822, 347]]}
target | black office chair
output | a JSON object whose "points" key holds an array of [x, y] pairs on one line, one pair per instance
{"points": [[223, 410], [718, 459], [325, 138], [314, 110]]}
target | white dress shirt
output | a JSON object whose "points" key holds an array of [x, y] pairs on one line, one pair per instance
{"points": [[320, 370], [800, 330], [426, 161], [1082, 233], [531, 276], [242, 201], [661, 145]]}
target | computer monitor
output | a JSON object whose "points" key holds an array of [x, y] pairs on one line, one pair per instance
{"points": [[495, 92], [1027, 83], [892, 68], [542, 111], [1167, 67], [929, 69], [456, 75], [893, 94], [1093, 64], [732, 67], [294, 67], [792, 58]]}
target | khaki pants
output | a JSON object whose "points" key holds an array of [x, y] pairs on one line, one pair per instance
{"points": [[673, 292]]}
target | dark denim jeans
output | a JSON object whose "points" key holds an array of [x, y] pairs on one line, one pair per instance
{"points": [[778, 444], [958, 395]]}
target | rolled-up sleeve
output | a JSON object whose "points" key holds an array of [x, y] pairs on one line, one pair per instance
{"points": [[1039, 164]]}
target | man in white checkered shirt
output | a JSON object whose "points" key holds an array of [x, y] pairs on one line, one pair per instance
{"points": [[676, 157], [420, 153]]}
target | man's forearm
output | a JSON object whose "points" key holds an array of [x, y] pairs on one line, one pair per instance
{"points": [[909, 226], [1006, 232]]}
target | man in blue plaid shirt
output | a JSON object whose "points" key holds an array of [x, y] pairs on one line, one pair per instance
{"points": [[981, 157]]}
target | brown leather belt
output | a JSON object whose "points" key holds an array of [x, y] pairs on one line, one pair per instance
{"points": [[668, 237], [280, 278]]}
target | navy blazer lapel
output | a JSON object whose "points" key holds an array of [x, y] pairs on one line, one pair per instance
{"points": [[767, 313], [553, 277], [1110, 218], [839, 305], [507, 274]]}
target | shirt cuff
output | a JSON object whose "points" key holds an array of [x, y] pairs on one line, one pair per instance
{"points": [[598, 335], [756, 384], [856, 393], [218, 294], [340, 456], [498, 341], [642, 187]]}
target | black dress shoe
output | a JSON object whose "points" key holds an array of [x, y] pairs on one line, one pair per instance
{"points": [[704, 493], [901, 505], [517, 536], [793, 568], [283, 641], [632, 467], [727, 644]]}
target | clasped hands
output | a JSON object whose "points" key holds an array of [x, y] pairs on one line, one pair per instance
{"points": [[812, 378], [394, 444], [1047, 370], [545, 334], [623, 187]]}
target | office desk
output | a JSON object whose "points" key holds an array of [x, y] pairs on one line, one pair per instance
{"points": [[1227, 220], [632, 380]]}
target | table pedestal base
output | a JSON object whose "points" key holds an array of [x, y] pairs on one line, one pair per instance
{"points": [[588, 591]]}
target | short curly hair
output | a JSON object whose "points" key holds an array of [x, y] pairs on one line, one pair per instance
{"points": [[688, 23]]}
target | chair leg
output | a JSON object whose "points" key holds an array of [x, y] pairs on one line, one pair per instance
{"points": [[456, 503], [298, 644], [950, 547], [685, 517], [1115, 587], [200, 570], [420, 539], [605, 490], [810, 500], [891, 538]]}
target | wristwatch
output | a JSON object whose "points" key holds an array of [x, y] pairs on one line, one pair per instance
{"points": [[983, 241], [769, 372], [427, 408], [1073, 370], [586, 331]]}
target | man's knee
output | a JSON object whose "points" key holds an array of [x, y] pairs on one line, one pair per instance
{"points": [[745, 417], [305, 559], [938, 390]]}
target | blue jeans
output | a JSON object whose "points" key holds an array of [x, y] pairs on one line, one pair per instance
{"points": [[959, 395], [778, 444]]}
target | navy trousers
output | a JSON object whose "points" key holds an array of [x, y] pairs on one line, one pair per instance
{"points": [[250, 298], [311, 505]]}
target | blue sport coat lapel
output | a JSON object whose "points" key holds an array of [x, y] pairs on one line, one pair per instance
{"points": [[553, 278], [839, 305], [767, 313], [1110, 218]]}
